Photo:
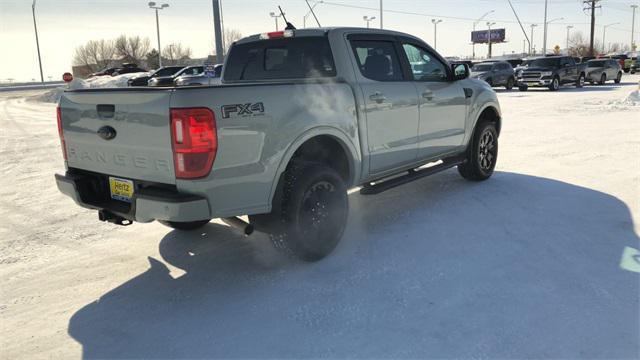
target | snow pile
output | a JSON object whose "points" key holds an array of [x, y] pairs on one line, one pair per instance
{"points": [[119, 81]]}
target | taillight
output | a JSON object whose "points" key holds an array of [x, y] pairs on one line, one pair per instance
{"points": [[60, 133], [195, 141]]}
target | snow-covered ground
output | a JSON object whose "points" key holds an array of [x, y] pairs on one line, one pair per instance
{"points": [[525, 265]]}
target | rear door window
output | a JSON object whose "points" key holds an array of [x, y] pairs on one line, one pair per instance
{"points": [[377, 60], [288, 58]]}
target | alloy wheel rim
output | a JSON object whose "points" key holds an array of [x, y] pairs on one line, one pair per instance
{"points": [[486, 150]]}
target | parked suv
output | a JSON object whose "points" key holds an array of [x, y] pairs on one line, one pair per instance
{"points": [[497, 73], [601, 70], [551, 72]]}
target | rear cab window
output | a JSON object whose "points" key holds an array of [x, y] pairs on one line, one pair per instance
{"points": [[304, 57]]}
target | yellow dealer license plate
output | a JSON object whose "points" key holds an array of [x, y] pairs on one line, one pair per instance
{"points": [[121, 189]]}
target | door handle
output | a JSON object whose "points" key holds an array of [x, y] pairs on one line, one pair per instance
{"points": [[377, 97], [428, 95]]}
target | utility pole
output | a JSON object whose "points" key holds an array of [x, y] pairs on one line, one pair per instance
{"points": [[531, 43], [544, 30], [33, 10], [633, 26], [591, 5], [217, 29], [381, 26], [569, 27]]}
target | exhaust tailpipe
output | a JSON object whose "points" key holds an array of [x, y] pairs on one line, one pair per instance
{"points": [[104, 215], [239, 224]]}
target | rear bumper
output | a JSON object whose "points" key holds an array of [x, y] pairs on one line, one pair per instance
{"points": [[148, 204]]}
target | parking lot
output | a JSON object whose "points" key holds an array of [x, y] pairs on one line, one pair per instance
{"points": [[525, 265]]}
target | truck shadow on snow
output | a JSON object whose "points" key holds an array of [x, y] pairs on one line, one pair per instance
{"points": [[518, 266]]}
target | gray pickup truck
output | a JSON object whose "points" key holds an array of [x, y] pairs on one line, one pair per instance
{"points": [[301, 116]]}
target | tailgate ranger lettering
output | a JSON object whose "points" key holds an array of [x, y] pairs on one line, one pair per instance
{"points": [[124, 160]]}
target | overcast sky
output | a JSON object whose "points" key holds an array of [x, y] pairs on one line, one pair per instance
{"points": [[65, 24]]}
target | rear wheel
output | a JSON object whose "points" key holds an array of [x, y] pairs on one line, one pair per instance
{"points": [[555, 84], [510, 83], [482, 154], [618, 78], [603, 79], [311, 213], [184, 225]]}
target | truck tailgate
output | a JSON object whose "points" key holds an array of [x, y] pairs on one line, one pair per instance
{"points": [[122, 132]]}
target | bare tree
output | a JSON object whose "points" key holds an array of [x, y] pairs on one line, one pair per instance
{"points": [[230, 36], [579, 46], [95, 54], [132, 49], [174, 53]]}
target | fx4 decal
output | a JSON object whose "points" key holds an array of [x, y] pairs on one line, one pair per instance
{"points": [[244, 110]]}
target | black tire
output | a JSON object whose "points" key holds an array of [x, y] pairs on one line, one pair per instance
{"points": [[603, 79], [489, 81], [618, 78], [482, 155], [185, 226], [626, 71], [580, 82], [523, 87], [510, 83], [555, 84], [310, 213]]}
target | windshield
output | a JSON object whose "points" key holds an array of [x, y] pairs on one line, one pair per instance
{"points": [[167, 71], [190, 70], [547, 62], [596, 63], [482, 67]]}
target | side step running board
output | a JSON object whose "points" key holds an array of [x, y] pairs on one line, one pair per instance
{"points": [[378, 187]]}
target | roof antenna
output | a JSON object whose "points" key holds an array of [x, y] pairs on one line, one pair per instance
{"points": [[313, 13], [289, 25]]}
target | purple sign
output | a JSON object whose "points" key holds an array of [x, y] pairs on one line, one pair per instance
{"points": [[482, 36]]}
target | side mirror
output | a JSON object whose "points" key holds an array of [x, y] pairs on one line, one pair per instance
{"points": [[460, 71]]}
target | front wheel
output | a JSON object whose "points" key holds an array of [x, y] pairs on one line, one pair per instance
{"points": [[618, 78], [184, 225], [482, 153], [555, 84], [523, 87], [312, 212]]}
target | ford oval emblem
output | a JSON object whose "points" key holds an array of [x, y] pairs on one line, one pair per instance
{"points": [[107, 132]]}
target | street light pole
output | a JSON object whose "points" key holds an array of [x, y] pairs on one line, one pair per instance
{"points": [[569, 27], [35, 27], [435, 32], [381, 14], [633, 26], [604, 29], [489, 24], [474, 29], [275, 16], [152, 5], [544, 30], [531, 43], [368, 19], [544, 41]]}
